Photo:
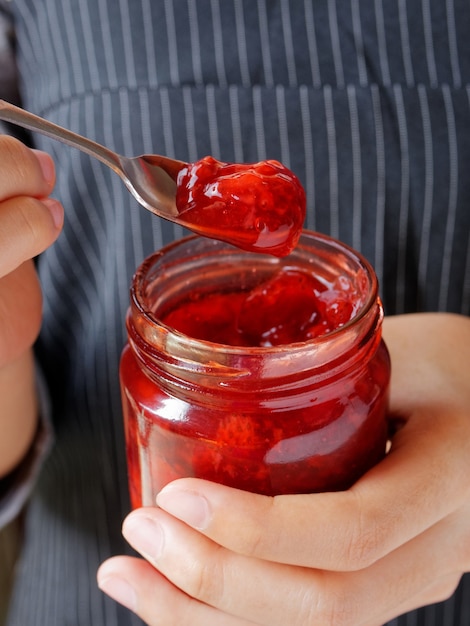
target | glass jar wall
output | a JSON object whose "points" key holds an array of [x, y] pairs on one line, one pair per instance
{"points": [[299, 417]]}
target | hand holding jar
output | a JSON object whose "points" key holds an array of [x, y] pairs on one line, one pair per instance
{"points": [[29, 222], [398, 539]]}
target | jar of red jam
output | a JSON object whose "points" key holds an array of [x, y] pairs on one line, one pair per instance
{"points": [[262, 373]]}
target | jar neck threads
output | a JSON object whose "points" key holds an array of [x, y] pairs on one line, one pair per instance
{"points": [[199, 265]]}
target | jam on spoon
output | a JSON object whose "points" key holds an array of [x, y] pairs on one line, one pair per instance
{"points": [[259, 207]]}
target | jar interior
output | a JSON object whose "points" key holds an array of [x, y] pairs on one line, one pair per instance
{"points": [[199, 267]]}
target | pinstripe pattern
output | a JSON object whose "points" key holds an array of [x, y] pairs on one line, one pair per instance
{"points": [[356, 97]]}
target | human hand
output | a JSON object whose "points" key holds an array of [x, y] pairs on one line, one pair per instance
{"points": [[397, 540], [29, 222]]}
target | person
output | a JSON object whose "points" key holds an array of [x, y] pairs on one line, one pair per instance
{"points": [[368, 103]]}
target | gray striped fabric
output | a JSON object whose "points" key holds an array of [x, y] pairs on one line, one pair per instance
{"points": [[367, 101]]}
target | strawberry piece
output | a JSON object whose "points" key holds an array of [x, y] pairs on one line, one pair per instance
{"points": [[279, 310]]}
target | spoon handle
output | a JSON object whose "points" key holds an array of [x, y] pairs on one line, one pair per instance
{"points": [[11, 113]]}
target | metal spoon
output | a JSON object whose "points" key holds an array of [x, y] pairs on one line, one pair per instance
{"points": [[150, 178]]}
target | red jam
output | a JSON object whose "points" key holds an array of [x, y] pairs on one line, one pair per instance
{"points": [[290, 306], [268, 375], [258, 207]]}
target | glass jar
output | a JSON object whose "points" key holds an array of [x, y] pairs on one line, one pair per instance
{"points": [[302, 417]]}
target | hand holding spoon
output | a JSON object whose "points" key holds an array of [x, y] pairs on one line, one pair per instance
{"points": [[258, 207]]}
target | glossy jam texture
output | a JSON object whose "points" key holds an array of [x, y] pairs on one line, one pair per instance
{"points": [[289, 307], [258, 207]]}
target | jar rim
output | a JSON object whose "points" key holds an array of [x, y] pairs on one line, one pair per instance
{"points": [[156, 327]]}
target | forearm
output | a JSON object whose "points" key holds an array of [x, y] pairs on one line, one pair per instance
{"points": [[18, 411]]}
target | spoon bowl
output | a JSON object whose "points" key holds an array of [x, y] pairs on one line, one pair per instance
{"points": [[150, 178]]}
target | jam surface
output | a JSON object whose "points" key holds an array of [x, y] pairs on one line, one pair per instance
{"points": [[289, 307], [258, 207]]}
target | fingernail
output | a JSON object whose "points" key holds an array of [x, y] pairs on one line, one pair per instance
{"points": [[188, 506], [120, 590], [47, 165], [56, 210], [144, 534]]}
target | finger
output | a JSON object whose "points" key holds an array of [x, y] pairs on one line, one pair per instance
{"points": [[438, 591], [415, 486], [421, 481], [27, 227], [425, 571], [24, 172], [237, 586], [274, 594], [138, 586]]}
